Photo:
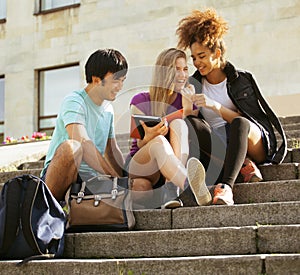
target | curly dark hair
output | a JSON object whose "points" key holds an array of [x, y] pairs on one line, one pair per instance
{"points": [[204, 27]]}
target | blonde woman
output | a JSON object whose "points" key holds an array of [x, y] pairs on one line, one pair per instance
{"points": [[161, 157]]}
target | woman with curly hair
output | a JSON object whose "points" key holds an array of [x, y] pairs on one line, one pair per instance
{"points": [[234, 127]]}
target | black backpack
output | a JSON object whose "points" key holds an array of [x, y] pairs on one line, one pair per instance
{"points": [[32, 222]]}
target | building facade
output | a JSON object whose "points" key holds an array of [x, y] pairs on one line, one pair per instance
{"points": [[44, 45]]}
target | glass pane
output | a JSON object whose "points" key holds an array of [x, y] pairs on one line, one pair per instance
{"points": [[52, 4], [47, 123], [55, 85], [1, 99], [2, 9]]}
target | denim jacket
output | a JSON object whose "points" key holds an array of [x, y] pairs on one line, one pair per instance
{"points": [[246, 96]]}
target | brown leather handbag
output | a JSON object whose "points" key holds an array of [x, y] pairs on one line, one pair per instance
{"points": [[102, 203]]}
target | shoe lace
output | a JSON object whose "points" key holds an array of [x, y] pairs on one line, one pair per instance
{"points": [[219, 190]]}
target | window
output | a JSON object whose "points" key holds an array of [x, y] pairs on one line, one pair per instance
{"points": [[54, 85], [2, 11], [51, 5], [1, 108]]}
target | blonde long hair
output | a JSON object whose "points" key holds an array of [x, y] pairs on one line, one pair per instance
{"points": [[162, 85]]}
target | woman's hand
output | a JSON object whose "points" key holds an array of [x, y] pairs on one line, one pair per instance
{"points": [[187, 102], [201, 100], [151, 132]]}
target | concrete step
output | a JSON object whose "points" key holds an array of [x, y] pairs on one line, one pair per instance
{"points": [[272, 213], [32, 165], [267, 191], [290, 134], [283, 171], [289, 120], [244, 193], [292, 142], [292, 126], [279, 264], [263, 203], [259, 192], [287, 170], [293, 155], [242, 240], [5, 176]]}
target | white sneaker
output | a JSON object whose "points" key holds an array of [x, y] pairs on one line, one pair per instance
{"points": [[223, 195], [196, 180]]}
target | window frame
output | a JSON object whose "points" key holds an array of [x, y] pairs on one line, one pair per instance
{"points": [[3, 19], [2, 121], [39, 10], [49, 130]]}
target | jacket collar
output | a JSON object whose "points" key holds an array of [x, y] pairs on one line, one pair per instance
{"points": [[231, 72]]}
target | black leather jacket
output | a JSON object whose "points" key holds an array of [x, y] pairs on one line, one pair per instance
{"points": [[246, 96]]}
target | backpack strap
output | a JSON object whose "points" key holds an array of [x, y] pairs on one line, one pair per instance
{"points": [[32, 187], [35, 257], [12, 219]]}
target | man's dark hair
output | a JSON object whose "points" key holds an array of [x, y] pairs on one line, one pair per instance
{"points": [[103, 61]]}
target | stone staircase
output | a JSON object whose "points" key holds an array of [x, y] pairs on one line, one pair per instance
{"points": [[260, 234]]}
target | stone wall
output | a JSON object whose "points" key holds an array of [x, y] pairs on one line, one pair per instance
{"points": [[263, 38]]}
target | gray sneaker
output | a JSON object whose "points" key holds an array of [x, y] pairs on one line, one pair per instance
{"points": [[170, 193], [196, 181]]}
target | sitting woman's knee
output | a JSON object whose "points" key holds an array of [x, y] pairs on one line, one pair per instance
{"points": [[238, 121], [160, 146], [160, 139]]}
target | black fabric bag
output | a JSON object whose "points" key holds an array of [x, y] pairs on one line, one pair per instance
{"points": [[32, 222], [101, 203]]}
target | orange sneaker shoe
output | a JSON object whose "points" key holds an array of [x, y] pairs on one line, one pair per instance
{"points": [[223, 195], [250, 172]]}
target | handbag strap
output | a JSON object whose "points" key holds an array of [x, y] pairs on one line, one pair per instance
{"points": [[80, 194], [114, 191]]}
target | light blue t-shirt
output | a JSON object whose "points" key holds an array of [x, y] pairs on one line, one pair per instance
{"points": [[78, 107]]}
